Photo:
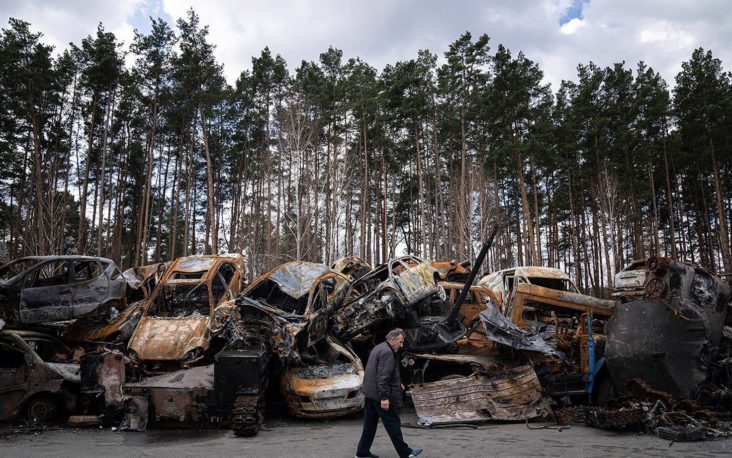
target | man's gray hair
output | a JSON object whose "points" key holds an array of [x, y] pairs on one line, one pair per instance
{"points": [[395, 333]]}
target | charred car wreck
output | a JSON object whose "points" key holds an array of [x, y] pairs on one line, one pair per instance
{"points": [[41, 289]]}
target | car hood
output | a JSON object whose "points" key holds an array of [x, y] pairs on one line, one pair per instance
{"points": [[168, 339]]}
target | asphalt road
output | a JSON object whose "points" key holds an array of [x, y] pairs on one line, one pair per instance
{"points": [[285, 437]]}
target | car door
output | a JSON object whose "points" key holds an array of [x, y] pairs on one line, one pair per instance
{"points": [[46, 293], [89, 287], [14, 373]]}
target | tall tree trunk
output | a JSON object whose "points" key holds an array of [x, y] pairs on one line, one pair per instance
{"points": [[211, 212]]}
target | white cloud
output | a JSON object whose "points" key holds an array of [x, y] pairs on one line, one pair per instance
{"points": [[572, 26], [385, 31]]}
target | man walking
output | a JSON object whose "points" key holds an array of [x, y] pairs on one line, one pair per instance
{"points": [[383, 390]]}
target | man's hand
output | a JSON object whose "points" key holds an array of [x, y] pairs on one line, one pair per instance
{"points": [[384, 404]]}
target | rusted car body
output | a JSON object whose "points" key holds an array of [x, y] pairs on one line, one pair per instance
{"points": [[328, 389], [187, 309], [37, 376], [540, 311], [291, 306], [452, 271], [469, 381], [389, 292], [682, 309], [503, 282], [40, 289]]}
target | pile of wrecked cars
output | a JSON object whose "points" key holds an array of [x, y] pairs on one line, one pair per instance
{"points": [[189, 343]]}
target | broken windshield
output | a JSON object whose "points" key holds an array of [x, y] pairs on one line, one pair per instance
{"points": [[12, 269]]}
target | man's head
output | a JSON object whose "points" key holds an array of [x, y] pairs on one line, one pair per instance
{"points": [[395, 337]]}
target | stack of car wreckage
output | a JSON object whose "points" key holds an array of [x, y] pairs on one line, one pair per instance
{"points": [[189, 343]]}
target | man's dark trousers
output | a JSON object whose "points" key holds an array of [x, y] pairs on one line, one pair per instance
{"points": [[372, 411]]}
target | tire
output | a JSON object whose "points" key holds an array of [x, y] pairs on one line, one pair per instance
{"points": [[248, 415], [42, 409], [605, 391]]}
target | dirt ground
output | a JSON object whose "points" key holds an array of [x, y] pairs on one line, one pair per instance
{"points": [[286, 437]]}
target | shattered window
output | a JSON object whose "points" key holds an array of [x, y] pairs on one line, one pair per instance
{"points": [[12, 269], [182, 301], [187, 275], [52, 273], [86, 271], [10, 358], [551, 283], [49, 351]]}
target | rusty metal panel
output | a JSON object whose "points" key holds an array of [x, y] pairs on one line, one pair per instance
{"points": [[512, 395], [416, 283], [166, 339], [178, 397]]}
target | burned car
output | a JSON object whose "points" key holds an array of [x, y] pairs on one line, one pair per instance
{"points": [[399, 291], [38, 378], [40, 289], [290, 308], [185, 312], [540, 311]]}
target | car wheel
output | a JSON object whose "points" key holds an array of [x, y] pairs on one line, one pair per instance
{"points": [[42, 409]]}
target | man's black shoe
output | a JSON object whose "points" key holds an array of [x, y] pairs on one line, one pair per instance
{"points": [[415, 452], [370, 455]]}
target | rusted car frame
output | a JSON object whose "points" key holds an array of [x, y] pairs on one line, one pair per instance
{"points": [[40, 289], [37, 376], [185, 311]]}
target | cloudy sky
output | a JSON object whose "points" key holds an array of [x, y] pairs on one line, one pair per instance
{"points": [[558, 34]]}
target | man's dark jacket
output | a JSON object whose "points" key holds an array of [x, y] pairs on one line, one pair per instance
{"points": [[382, 379]]}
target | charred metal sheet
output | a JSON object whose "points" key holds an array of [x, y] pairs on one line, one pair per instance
{"points": [[452, 271], [512, 395], [103, 374], [527, 293], [499, 329], [178, 398]]}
